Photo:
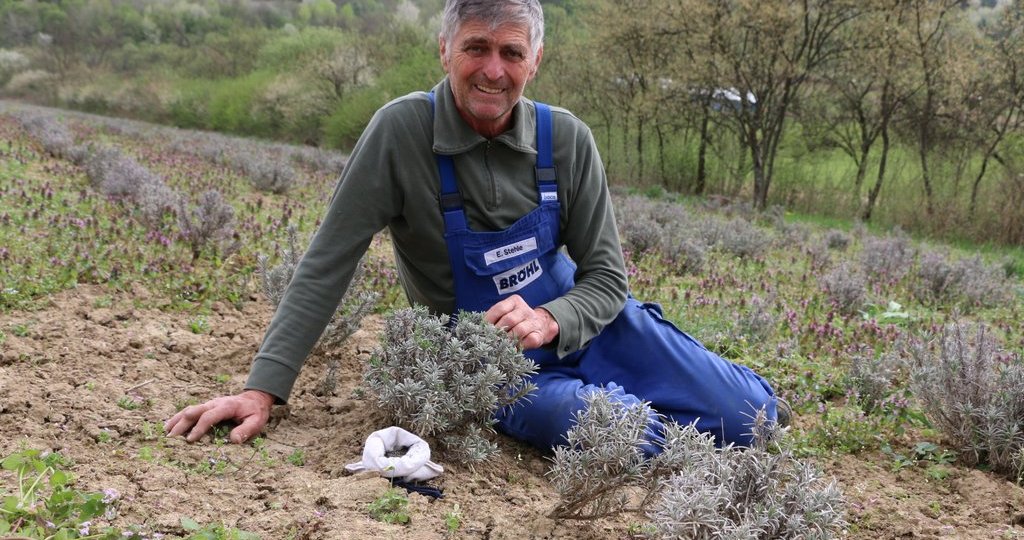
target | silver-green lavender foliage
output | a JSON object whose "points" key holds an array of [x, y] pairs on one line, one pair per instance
{"points": [[973, 391], [968, 282], [448, 381], [846, 288], [888, 258], [691, 489], [872, 376], [207, 224]]}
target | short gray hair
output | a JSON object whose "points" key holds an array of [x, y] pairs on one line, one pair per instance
{"points": [[495, 13]]}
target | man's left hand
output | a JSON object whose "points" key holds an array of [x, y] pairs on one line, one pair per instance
{"points": [[532, 328]]}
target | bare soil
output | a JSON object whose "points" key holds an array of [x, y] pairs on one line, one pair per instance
{"points": [[66, 367]]}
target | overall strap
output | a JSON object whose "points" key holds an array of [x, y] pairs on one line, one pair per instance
{"points": [[547, 184], [451, 199]]}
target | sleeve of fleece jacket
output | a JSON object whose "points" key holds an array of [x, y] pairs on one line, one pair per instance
{"points": [[590, 236], [362, 204]]}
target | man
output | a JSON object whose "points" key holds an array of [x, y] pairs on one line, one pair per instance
{"points": [[480, 188]]}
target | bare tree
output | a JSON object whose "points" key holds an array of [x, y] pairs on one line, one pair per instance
{"points": [[766, 51]]}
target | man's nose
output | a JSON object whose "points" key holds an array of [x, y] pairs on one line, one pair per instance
{"points": [[494, 66]]}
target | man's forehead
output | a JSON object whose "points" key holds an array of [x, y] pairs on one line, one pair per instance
{"points": [[478, 31]]}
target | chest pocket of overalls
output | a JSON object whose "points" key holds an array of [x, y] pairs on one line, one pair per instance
{"points": [[512, 257]]}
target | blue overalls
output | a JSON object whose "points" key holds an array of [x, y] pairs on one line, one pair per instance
{"points": [[640, 356]]}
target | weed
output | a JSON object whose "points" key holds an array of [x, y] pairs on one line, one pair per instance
{"points": [[47, 506], [214, 531], [129, 403], [3, 337], [21, 329], [391, 507], [453, 520], [149, 431], [104, 301], [222, 378], [199, 324], [297, 457], [447, 380], [103, 437]]}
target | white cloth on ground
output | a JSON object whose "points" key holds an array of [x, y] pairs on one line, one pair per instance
{"points": [[414, 466]]}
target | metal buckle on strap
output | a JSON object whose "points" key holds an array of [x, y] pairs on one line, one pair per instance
{"points": [[450, 201]]}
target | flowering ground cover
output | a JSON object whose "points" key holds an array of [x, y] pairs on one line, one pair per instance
{"points": [[901, 359]]}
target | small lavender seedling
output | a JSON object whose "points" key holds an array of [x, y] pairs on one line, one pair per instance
{"points": [[447, 380]]}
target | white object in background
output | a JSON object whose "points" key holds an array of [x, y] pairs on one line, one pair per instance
{"points": [[414, 466]]}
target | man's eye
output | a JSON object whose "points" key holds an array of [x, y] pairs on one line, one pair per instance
{"points": [[475, 49], [515, 54]]}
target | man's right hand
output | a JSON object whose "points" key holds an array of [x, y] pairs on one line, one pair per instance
{"points": [[250, 409]]}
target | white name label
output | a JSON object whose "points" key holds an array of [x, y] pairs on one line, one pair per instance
{"points": [[518, 277], [511, 250], [547, 196]]}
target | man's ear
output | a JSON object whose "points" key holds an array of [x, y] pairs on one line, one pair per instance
{"points": [[536, 64], [443, 47]]}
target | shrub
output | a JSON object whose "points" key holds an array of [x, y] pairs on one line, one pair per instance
{"points": [[208, 223], [981, 285], [837, 240], [270, 174], [888, 258], [846, 288], [736, 237], [51, 134], [641, 233], [973, 391], [447, 380], [871, 377], [937, 278], [691, 489], [686, 256]]}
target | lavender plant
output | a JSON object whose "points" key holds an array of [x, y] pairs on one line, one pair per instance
{"points": [[973, 391], [837, 240], [691, 489], [889, 258], [210, 223], [846, 288], [447, 380], [871, 377], [268, 174]]}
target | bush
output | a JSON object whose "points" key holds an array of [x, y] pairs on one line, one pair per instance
{"points": [[208, 223], [888, 258], [691, 489], [846, 289], [447, 380], [973, 391]]}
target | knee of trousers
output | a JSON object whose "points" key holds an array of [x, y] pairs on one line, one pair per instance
{"points": [[544, 418]]}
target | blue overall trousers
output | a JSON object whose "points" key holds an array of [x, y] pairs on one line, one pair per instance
{"points": [[639, 356]]}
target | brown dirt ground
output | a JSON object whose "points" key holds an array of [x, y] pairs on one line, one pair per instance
{"points": [[60, 384]]}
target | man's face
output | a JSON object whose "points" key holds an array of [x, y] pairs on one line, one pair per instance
{"points": [[488, 70]]}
